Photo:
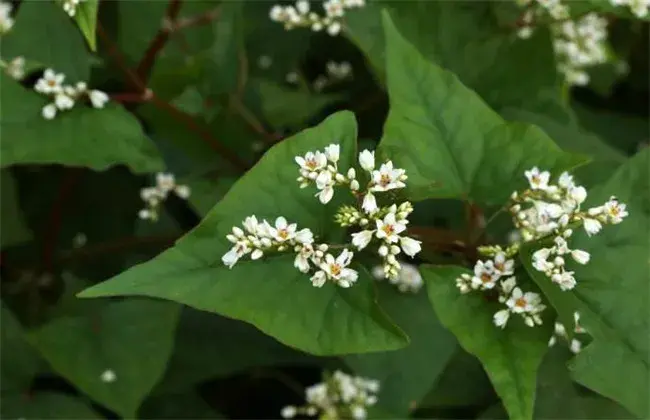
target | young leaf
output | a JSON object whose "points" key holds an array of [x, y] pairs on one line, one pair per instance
{"points": [[83, 136], [132, 338], [270, 293], [19, 361], [448, 140], [407, 374], [43, 32], [86, 18], [510, 356]]}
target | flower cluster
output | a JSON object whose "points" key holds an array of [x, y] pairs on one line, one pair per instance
{"points": [[638, 7], [579, 45], [65, 96], [383, 224], [575, 345], [302, 16], [154, 196], [339, 396], [15, 68], [408, 280], [497, 274], [335, 72], [70, 6], [6, 21], [547, 209]]}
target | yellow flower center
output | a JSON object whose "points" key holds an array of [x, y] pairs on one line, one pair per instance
{"points": [[335, 269], [388, 229], [521, 302], [384, 180], [485, 278], [282, 233], [311, 163]]}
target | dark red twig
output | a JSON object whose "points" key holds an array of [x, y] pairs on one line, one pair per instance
{"points": [[158, 42], [130, 97], [202, 19]]}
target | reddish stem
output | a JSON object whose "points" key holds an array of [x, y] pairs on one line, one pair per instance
{"points": [[130, 97], [159, 41]]}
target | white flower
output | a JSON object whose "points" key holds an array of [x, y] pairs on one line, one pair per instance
{"points": [[484, 275], [302, 6], [565, 280], [358, 412], [576, 346], [282, 230], [231, 257], [362, 239], [257, 254], [50, 82], [97, 98], [305, 236], [389, 229], [537, 180], [332, 152], [63, 101], [301, 261], [334, 8], [165, 182], [16, 67], [325, 195], [566, 180], [615, 211], [409, 279], [318, 279], [388, 178], [578, 194], [410, 246], [502, 266], [369, 204], [312, 162], [49, 111], [288, 412], [108, 376], [520, 302], [561, 245], [324, 180], [182, 191], [334, 28], [580, 256], [592, 226], [501, 318], [367, 160], [336, 268]]}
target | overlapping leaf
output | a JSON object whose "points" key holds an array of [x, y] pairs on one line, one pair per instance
{"points": [[270, 293], [511, 356], [86, 17], [448, 140], [83, 136]]}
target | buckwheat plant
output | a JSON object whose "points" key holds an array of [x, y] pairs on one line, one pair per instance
{"points": [[70, 6], [14, 68], [339, 396], [65, 96], [381, 226], [156, 195], [408, 280], [543, 211], [301, 15]]}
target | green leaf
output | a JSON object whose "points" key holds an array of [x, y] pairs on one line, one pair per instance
{"points": [[198, 356], [329, 320], [404, 380], [466, 39], [511, 356], [13, 229], [86, 18], [83, 136], [177, 406], [450, 142], [612, 293], [20, 362], [46, 405], [133, 338], [287, 108], [43, 32]]}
